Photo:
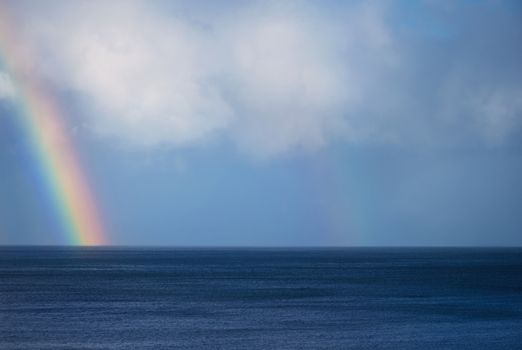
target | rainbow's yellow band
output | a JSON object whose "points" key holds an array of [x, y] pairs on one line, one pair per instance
{"points": [[41, 120]]}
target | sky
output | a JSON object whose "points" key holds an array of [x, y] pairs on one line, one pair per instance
{"points": [[271, 123]]}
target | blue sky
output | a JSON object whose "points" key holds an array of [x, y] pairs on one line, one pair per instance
{"points": [[278, 123]]}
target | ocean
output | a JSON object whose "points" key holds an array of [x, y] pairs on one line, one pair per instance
{"points": [[350, 298]]}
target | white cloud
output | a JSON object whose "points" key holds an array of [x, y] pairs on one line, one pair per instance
{"points": [[272, 77], [271, 81], [289, 90], [148, 77], [7, 88]]}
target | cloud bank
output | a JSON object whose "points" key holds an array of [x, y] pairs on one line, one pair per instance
{"points": [[274, 77]]}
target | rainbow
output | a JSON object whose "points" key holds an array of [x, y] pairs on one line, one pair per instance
{"points": [[64, 181]]}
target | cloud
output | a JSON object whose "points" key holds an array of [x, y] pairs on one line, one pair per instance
{"points": [[279, 76], [146, 76], [7, 89]]}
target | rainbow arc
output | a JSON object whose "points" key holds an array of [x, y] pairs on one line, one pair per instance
{"points": [[40, 118]]}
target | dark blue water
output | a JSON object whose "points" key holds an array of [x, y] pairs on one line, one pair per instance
{"points": [[63, 298]]}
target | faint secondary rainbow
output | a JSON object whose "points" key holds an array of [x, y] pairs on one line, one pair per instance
{"points": [[58, 166]]}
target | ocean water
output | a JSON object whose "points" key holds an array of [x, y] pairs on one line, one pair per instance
{"points": [[354, 298]]}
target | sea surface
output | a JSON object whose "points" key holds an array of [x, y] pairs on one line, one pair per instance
{"points": [[353, 298]]}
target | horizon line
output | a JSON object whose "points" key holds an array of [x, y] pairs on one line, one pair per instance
{"points": [[123, 246]]}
